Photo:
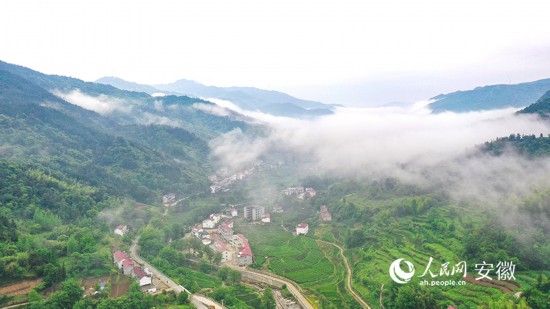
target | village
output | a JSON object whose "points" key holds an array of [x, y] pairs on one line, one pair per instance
{"points": [[217, 231], [130, 268], [223, 180]]}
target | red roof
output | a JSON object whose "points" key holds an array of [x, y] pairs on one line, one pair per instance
{"points": [[221, 245], [139, 272], [226, 230], [302, 225], [120, 227], [120, 255], [245, 249], [127, 262]]}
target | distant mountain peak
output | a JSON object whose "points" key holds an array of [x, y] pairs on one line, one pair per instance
{"points": [[491, 97], [248, 98]]}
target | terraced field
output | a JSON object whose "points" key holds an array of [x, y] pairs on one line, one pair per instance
{"points": [[315, 267], [415, 240]]}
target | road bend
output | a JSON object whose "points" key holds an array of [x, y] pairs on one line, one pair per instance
{"points": [[349, 286], [200, 301]]}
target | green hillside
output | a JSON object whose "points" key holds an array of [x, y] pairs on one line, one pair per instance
{"points": [[528, 145], [490, 97], [541, 107], [133, 107], [33, 133]]}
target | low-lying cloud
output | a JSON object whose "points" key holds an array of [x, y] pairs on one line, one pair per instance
{"points": [[101, 104], [435, 151], [367, 140]]}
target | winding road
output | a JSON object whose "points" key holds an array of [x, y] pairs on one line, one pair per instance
{"points": [[199, 301], [349, 286]]}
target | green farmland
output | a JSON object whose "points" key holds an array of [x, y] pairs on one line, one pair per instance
{"points": [[315, 267]]}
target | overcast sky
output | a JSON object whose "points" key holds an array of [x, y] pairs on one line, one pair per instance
{"points": [[348, 52]]}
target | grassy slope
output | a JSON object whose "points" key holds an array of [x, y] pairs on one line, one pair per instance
{"points": [[315, 267], [438, 233]]}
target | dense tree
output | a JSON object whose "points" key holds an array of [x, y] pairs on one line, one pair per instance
{"points": [[8, 229], [183, 298], [268, 299], [151, 241]]}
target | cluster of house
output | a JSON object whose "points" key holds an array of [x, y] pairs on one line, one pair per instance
{"points": [[220, 239], [324, 214], [226, 180], [222, 184], [300, 192], [210, 223], [169, 199], [142, 275]]}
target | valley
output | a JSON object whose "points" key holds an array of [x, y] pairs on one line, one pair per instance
{"points": [[84, 168]]}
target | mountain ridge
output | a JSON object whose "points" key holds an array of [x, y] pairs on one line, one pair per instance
{"points": [[541, 107], [490, 97], [247, 98]]}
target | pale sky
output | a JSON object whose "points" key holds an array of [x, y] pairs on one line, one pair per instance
{"points": [[347, 52]]}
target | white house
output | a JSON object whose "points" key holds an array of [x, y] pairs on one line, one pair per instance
{"points": [[234, 212], [302, 228], [141, 276], [266, 218], [127, 267], [209, 223], [150, 288], [119, 257], [121, 230], [196, 230], [221, 247], [216, 217]]}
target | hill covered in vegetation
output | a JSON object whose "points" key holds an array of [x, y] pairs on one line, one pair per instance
{"points": [[490, 97]]}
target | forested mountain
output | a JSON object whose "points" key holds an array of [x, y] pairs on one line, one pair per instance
{"points": [[117, 152], [527, 145], [541, 107], [490, 97], [61, 165], [128, 107], [247, 98], [34, 133]]}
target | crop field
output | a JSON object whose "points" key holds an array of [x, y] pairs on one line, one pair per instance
{"points": [[248, 295], [316, 267], [20, 288], [414, 240]]}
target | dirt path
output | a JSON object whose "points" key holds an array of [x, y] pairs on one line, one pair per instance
{"points": [[349, 286]]}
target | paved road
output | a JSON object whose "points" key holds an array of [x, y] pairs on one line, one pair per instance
{"points": [[349, 287], [199, 301], [290, 285]]}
